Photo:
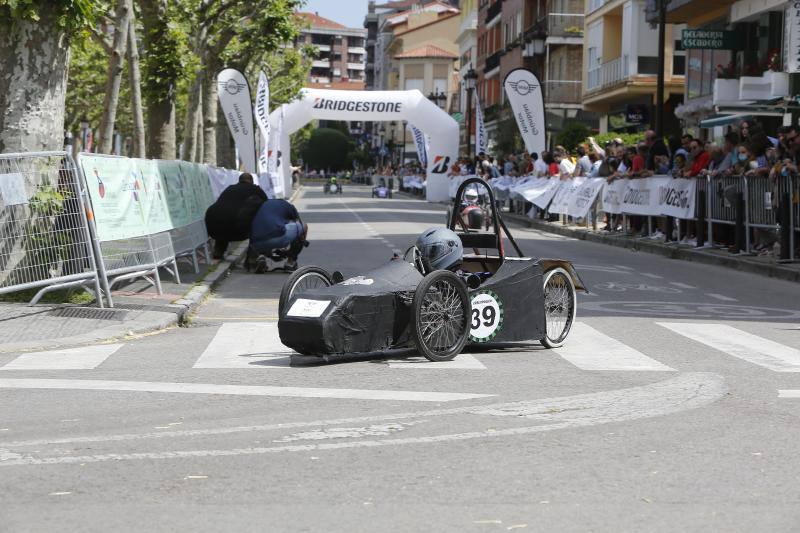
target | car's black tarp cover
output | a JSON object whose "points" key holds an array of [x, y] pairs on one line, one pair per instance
{"points": [[519, 286], [366, 313]]}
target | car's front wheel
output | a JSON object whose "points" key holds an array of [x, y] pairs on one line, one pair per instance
{"points": [[440, 323], [559, 306], [308, 277]]}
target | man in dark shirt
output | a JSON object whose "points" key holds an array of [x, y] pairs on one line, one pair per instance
{"points": [[276, 226], [229, 218], [655, 147]]}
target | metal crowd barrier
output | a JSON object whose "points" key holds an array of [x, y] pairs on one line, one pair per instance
{"points": [[188, 240], [45, 238], [139, 257]]}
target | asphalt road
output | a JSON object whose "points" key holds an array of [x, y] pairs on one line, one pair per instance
{"points": [[663, 411]]}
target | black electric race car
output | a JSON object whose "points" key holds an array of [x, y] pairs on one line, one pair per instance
{"points": [[332, 186], [493, 299]]}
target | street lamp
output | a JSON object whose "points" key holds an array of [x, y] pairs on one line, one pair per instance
{"points": [[438, 98], [470, 80]]}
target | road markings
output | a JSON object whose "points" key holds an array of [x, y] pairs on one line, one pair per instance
{"points": [[721, 297], [463, 361], [746, 346], [793, 394], [684, 392], [246, 345], [653, 276], [682, 285], [236, 390], [83, 358], [589, 349]]}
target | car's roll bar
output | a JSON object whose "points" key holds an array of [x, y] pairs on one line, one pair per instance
{"points": [[478, 240]]}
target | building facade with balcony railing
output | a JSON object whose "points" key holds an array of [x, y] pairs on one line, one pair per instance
{"points": [[620, 65], [339, 50]]}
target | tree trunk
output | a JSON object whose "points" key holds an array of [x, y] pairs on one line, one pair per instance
{"points": [[136, 92], [193, 106], [161, 72], [34, 59], [210, 106], [199, 127], [122, 22]]}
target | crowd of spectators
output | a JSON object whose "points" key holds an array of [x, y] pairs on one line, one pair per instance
{"points": [[747, 150]]}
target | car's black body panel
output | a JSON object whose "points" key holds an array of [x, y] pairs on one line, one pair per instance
{"points": [[361, 317]]}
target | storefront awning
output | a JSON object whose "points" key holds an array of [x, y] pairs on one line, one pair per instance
{"points": [[723, 120]]}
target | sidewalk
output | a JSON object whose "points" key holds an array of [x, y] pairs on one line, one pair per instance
{"points": [[138, 309], [761, 265]]}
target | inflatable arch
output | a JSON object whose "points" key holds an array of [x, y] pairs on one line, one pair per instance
{"points": [[375, 106]]}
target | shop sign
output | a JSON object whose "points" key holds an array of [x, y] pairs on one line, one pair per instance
{"points": [[712, 40]]}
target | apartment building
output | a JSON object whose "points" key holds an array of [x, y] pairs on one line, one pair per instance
{"points": [[341, 59], [467, 51], [621, 64], [545, 36]]}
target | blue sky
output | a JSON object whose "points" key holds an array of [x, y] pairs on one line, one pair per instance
{"points": [[348, 12]]}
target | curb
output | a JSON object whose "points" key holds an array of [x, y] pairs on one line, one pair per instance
{"points": [[684, 254]]}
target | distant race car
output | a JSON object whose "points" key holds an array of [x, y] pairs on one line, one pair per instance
{"points": [[473, 210], [332, 187], [492, 299], [381, 190]]}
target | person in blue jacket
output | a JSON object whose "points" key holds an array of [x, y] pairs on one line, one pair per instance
{"points": [[277, 226]]}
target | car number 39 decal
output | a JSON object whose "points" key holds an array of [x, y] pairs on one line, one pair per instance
{"points": [[487, 316]]}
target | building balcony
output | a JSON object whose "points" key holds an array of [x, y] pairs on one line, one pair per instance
{"points": [[493, 61], [565, 25], [494, 11], [321, 63], [594, 5], [608, 74], [356, 66], [323, 47], [356, 50], [563, 91]]}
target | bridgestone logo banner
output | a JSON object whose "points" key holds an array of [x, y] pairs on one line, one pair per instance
{"points": [[525, 95], [237, 105], [358, 106]]}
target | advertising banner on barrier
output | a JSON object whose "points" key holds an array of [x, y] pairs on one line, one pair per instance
{"points": [[612, 196], [221, 178], [237, 105], [122, 199], [543, 194], [525, 95], [565, 194], [136, 197], [582, 200], [677, 198], [641, 196]]}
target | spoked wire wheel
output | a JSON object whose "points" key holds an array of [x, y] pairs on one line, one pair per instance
{"points": [[440, 324], [305, 278], [559, 306]]}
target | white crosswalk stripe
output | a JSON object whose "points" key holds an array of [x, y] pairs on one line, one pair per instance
{"points": [[256, 345], [246, 345], [746, 346], [590, 349], [83, 358]]}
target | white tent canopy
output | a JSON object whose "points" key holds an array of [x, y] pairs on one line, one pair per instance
{"points": [[375, 106]]}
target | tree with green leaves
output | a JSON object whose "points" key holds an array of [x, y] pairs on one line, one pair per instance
{"points": [[34, 60], [327, 149]]}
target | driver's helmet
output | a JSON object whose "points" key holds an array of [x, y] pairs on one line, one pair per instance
{"points": [[441, 249], [471, 195], [333, 179]]}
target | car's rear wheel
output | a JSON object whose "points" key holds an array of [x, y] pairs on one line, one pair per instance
{"points": [[559, 306], [440, 323], [308, 277]]}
